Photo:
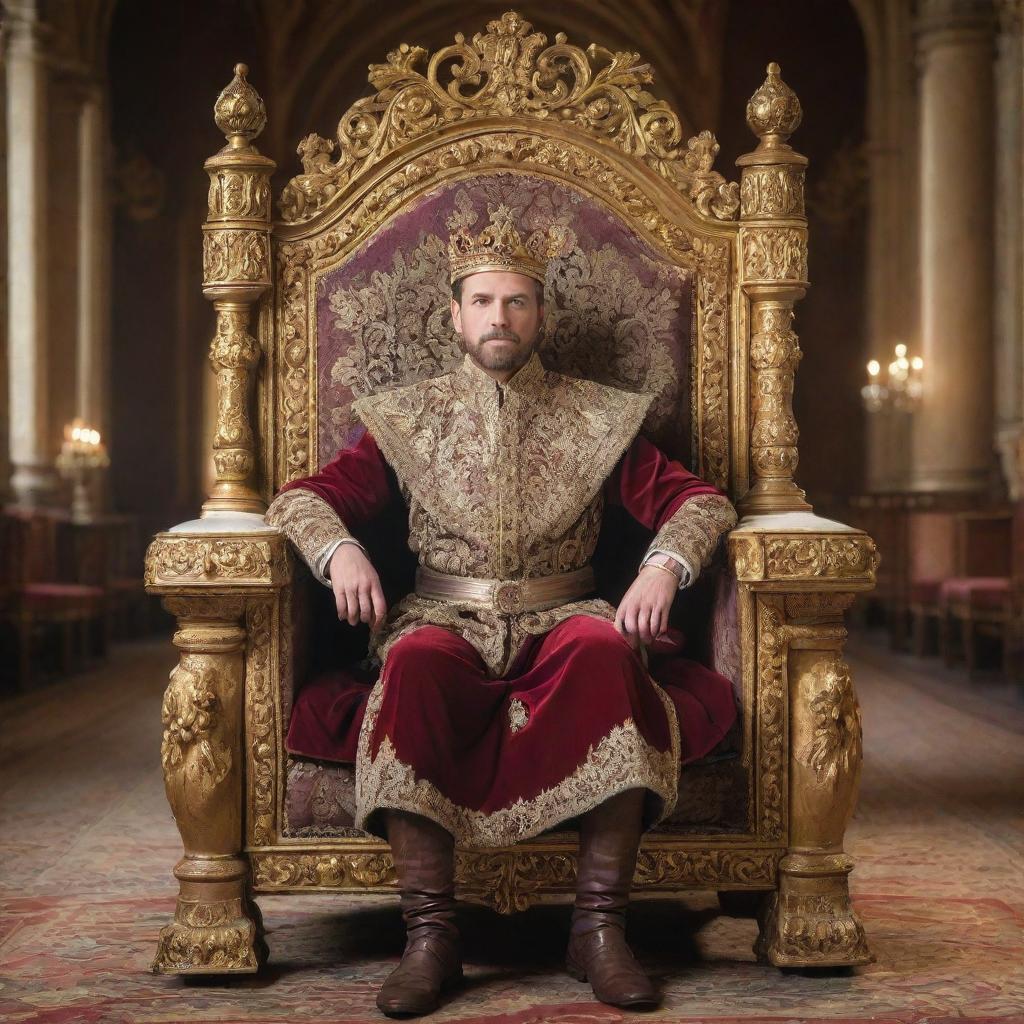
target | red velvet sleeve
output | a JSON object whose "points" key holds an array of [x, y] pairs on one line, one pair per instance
{"points": [[357, 483], [652, 486]]}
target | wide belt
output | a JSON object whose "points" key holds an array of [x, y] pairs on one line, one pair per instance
{"points": [[506, 596]]}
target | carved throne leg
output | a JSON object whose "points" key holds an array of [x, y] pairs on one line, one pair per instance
{"points": [[217, 929], [809, 922]]}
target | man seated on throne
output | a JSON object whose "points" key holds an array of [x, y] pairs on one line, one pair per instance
{"points": [[510, 698]]}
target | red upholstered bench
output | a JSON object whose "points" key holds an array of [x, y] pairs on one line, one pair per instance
{"points": [[977, 603]]}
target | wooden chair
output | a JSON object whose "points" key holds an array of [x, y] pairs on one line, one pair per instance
{"points": [[679, 283], [37, 598], [982, 598]]}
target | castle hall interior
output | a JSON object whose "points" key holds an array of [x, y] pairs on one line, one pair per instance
{"points": [[512, 511]]}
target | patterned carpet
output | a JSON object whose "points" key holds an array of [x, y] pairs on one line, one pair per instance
{"points": [[87, 845]]}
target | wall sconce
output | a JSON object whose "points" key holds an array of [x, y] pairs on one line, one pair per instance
{"points": [[903, 383]]}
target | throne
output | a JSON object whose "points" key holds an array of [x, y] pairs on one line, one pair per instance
{"points": [[675, 282]]}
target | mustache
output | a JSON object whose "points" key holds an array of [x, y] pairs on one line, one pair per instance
{"points": [[496, 333]]}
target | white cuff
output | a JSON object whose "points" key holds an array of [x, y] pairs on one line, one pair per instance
{"points": [[688, 574], [324, 561]]}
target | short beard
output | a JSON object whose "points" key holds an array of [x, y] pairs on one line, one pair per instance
{"points": [[505, 360]]}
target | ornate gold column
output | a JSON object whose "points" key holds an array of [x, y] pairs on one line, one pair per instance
{"points": [[236, 271], [953, 449], [32, 448], [216, 928], [773, 246]]}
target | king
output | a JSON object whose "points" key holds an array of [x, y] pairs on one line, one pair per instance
{"points": [[511, 699]]}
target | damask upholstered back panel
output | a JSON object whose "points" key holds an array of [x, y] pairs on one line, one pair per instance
{"points": [[616, 310]]}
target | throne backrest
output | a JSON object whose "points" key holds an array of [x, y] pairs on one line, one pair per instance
{"points": [[644, 294]]}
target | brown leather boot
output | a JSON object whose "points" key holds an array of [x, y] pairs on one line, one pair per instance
{"points": [[424, 854], [609, 841]]}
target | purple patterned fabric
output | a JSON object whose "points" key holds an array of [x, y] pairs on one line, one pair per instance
{"points": [[615, 309]]}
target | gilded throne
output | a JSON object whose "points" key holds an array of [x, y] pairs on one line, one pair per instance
{"points": [[672, 281]]}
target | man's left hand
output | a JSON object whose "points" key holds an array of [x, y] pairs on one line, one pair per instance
{"points": [[642, 614]]}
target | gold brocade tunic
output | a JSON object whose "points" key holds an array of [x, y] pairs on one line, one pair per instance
{"points": [[503, 481]]}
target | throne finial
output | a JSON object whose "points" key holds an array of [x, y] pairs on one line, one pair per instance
{"points": [[774, 111], [239, 110]]}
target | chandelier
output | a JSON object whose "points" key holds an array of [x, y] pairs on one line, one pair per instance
{"points": [[81, 454], [902, 387]]}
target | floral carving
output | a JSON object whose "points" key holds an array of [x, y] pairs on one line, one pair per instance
{"points": [[232, 255], [261, 723], [509, 881], [771, 698], [509, 70], [238, 194], [189, 716], [774, 191], [179, 559], [774, 110], [775, 254]]}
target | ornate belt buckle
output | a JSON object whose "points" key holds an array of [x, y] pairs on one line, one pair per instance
{"points": [[509, 597]]}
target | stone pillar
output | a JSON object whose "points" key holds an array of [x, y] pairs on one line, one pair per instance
{"points": [[33, 476], [953, 450], [892, 281], [93, 257], [1009, 271]]}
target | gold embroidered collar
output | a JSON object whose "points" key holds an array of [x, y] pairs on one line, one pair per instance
{"points": [[474, 378]]}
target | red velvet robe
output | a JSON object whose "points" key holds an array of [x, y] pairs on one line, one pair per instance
{"points": [[497, 760]]}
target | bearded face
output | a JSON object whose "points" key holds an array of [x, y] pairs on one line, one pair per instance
{"points": [[498, 316]]}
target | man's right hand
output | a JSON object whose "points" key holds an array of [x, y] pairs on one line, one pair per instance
{"points": [[356, 586]]}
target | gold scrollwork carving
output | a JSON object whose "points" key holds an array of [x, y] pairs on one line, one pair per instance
{"points": [[510, 71], [774, 254], [706, 869], [773, 191], [772, 645], [774, 110], [171, 559], [236, 255], [216, 937], [322, 870], [804, 556], [830, 557], [508, 881], [238, 194], [239, 112], [261, 723], [813, 929]]}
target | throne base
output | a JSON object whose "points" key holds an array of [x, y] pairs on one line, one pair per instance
{"points": [[808, 921], [212, 937]]}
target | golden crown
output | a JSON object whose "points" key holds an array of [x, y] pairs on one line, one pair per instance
{"points": [[500, 247]]}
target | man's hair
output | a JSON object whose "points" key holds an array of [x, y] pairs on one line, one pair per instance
{"points": [[457, 291]]}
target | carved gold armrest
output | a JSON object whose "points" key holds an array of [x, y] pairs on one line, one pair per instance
{"points": [[797, 575], [217, 562], [800, 552]]}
